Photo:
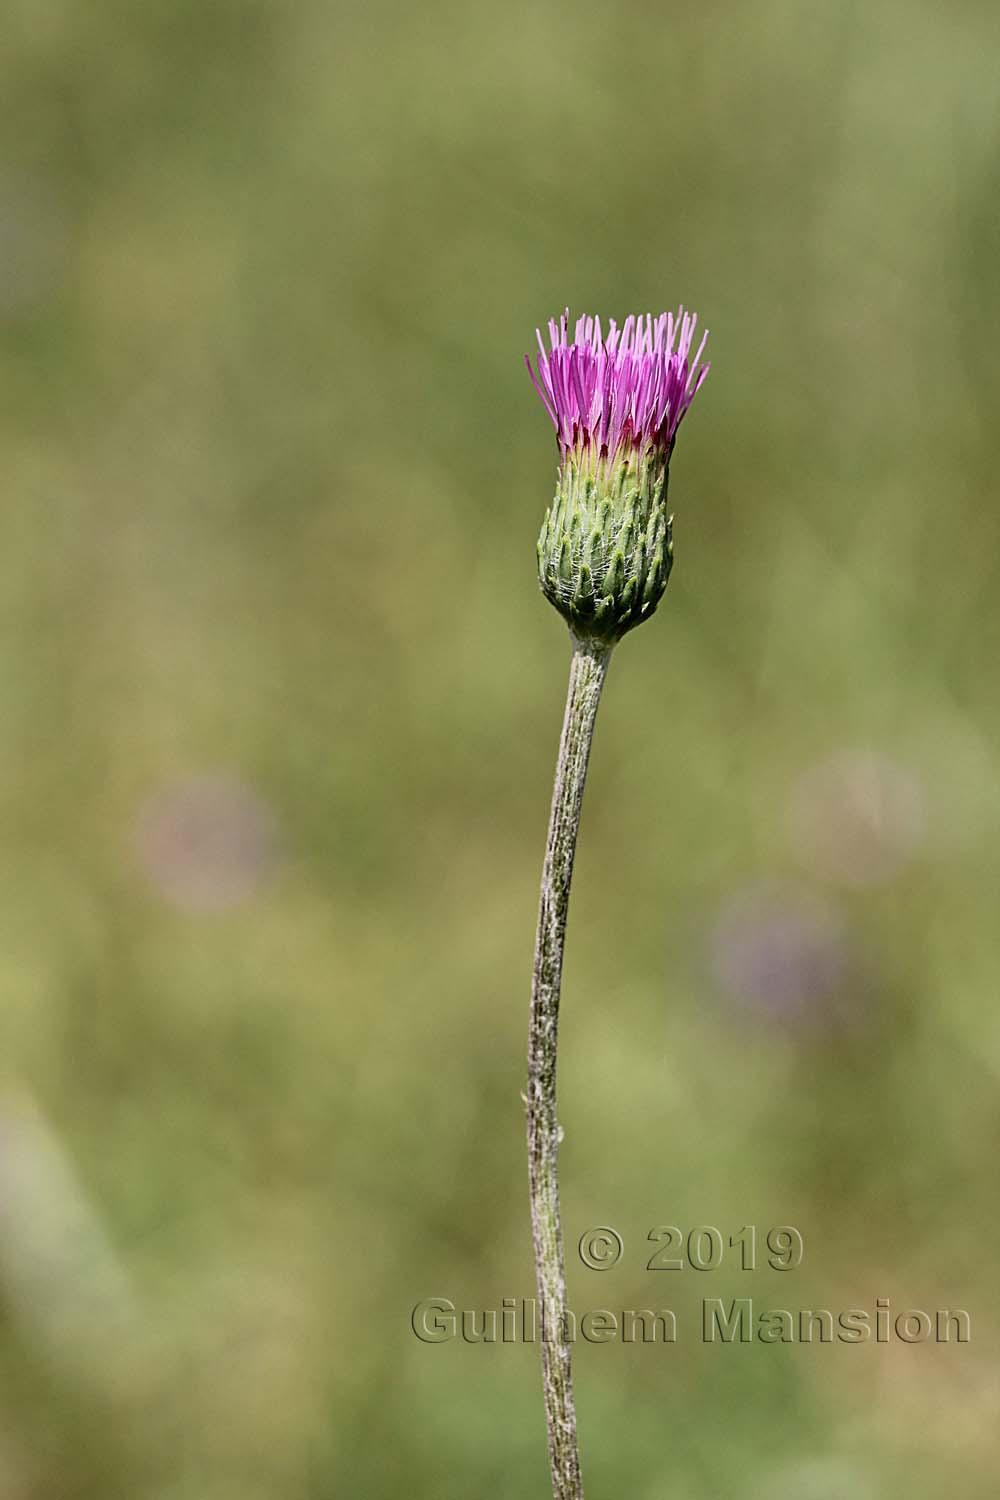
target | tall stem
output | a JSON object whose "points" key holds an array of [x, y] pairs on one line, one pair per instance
{"points": [[586, 679]]}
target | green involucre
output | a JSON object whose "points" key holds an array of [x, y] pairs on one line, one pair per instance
{"points": [[605, 549]]}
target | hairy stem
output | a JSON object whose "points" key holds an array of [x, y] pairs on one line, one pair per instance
{"points": [[586, 679]]}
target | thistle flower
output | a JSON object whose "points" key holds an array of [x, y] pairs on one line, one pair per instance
{"points": [[605, 549], [603, 560]]}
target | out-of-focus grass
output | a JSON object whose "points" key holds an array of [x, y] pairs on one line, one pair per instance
{"points": [[278, 709]]}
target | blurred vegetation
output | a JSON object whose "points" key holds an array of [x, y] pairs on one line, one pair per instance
{"points": [[278, 712]]}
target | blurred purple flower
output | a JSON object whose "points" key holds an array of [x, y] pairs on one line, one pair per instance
{"points": [[206, 843], [778, 952], [629, 389], [857, 817]]}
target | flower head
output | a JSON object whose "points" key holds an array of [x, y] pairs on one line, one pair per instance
{"points": [[630, 389], [605, 550]]}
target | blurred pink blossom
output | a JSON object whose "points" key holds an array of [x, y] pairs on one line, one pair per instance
{"points": [[779, 951], [206, 843], [857, 817]]}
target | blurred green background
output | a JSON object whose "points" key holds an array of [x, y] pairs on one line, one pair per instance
{"points": [[278, 713]]}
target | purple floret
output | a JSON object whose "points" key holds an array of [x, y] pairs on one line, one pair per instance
{"points": [[629, 389]]}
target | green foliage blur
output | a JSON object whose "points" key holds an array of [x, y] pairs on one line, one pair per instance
{"points": [[278, 714]]}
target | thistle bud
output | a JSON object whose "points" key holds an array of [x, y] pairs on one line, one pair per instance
{"points": [[605, 549]]}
